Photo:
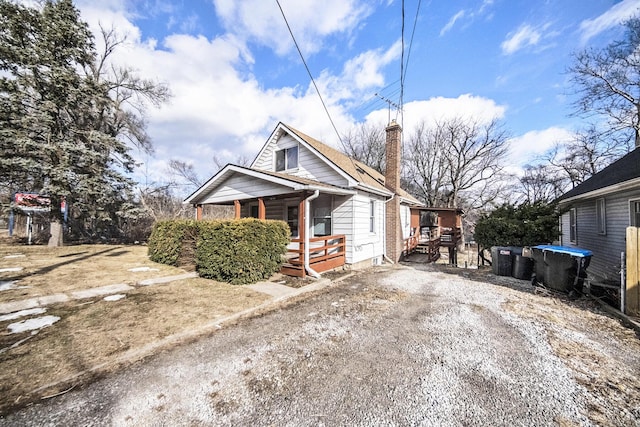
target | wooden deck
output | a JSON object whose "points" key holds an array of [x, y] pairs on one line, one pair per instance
{"points": [[325, 253]]}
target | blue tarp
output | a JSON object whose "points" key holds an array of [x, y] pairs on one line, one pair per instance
{"points": [[576, 252]]}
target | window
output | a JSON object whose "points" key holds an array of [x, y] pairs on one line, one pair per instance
{"points": [[322, 216], [287, 159], [634, 210], [292, 220], [601, 216], [372, 216], [573, 227]]}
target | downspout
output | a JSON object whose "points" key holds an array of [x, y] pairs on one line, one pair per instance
{"points": [[307, 210], [384, 235]]}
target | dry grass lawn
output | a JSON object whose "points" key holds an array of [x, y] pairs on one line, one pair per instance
{"points": [[94, 332]]}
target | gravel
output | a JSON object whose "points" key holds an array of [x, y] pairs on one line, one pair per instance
{"points": [[394, 346]]}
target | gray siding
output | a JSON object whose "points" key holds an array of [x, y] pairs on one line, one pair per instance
{"points": [[606, 248], [242, 187]]}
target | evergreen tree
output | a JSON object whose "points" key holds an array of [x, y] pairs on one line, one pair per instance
{"points": [[62, 131]]}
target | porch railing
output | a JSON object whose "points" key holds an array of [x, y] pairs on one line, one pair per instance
{"points": [[325, 253]]}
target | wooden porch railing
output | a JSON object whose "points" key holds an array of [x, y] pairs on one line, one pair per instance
{"points": [[325, 253]]}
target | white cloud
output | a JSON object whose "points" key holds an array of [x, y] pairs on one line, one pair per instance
{"points": [[525, 148], [310, 20], [525, 36], [439, 108], [451, 22], [612, 17]]}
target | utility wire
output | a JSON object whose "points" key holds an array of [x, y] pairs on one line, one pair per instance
{"points": [[401, 67], [309, 72], [357, 169], [413, 32]]}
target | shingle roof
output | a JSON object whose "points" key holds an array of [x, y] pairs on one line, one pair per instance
{"points": [[354, 168], [624, 169]]}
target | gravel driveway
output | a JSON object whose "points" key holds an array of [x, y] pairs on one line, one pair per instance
{"points": [[397, 346]]}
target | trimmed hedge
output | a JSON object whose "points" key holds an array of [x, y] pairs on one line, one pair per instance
{"points": [[238, 251], [171, 240]]}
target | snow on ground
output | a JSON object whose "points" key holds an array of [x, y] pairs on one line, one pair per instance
{"points": [[115, 297], [10, 256], [140, 269], [10, 269], [22, 313], [32, 324]]}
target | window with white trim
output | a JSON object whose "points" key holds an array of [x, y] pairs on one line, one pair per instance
{"points": [[287, 159], [322, 216], [573, 226], [601, 216], [372, 216]]}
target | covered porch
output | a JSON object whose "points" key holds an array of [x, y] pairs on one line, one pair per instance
{"points": [[308, 210]]}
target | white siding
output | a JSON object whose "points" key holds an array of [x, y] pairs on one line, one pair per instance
{"points": [[343, 222], [309, 165], [242, 187], [367, 245]]}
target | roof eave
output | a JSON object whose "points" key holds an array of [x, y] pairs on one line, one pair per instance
{"points": [[602, 191]]}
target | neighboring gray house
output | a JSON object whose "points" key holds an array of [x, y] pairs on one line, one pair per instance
{"points": [[598, 211]]}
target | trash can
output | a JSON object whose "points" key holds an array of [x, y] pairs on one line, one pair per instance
{"points": [[501, 260], [522, 267], [561, 268]]}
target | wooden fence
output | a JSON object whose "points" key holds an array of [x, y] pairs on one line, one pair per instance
{"points": [[632, 297]]}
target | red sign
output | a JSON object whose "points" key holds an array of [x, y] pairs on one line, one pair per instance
{"points": [[32, 201]]}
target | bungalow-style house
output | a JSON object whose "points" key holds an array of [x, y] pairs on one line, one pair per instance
{"points": [[598, 211], [339, 210]]}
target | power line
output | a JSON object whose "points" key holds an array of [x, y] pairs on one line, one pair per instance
{"points": [[413, 32], [401, 67], [309, 72]]}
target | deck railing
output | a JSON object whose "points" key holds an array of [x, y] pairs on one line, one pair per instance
{"points": [[325, 253]]}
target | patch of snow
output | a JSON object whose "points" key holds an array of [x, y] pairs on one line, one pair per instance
{"points": [[115, 297], [32, 324], [22, 313], [139, 269], [6, 286], [14, 256], [11, 269]]}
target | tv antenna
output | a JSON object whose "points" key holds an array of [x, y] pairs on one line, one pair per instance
{"points": [[390, 102]]}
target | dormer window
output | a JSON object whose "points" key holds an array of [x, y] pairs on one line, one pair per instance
{"points": [[287, 159]]}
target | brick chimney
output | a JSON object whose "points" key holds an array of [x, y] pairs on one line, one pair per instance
{"points": [[393, 228]]}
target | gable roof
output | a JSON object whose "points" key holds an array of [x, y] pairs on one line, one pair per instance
{"points": [[357, 170], [623, 170], [296, 183]]}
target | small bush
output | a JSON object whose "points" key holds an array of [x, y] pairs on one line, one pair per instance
{"points": [[241, 251]]}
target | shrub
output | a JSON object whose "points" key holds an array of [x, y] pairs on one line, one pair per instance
{"points": [[525, 225], [172, 242], [241, 251]]}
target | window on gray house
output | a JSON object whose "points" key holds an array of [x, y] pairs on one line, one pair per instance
{"points": [[287, 159], [253, 211], [634, 210], [601, 216], [573, 226]]}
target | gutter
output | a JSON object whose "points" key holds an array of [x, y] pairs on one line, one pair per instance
{"points": [[602, 191], [307, 206]]}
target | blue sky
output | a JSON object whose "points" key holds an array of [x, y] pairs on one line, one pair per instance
{"points": [[234, 71]]}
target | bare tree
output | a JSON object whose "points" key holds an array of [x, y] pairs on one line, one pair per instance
{"points": [[541, 183], [366, 143], [608, 80], [475, 153], [589, 152], [426, 166]]}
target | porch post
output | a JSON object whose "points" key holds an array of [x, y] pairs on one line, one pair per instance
{"points": [[261, 208], [302, 232], [198, 212], [237, 209]]}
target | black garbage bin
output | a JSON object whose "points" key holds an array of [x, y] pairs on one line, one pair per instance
{"points": [[561, 268], [501, 260], [522, 267]]}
